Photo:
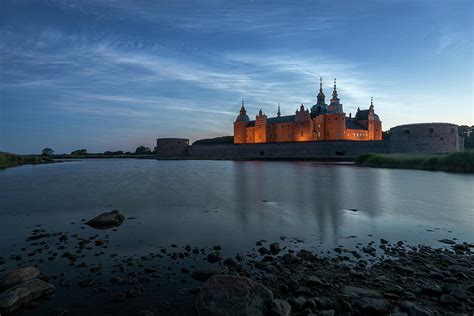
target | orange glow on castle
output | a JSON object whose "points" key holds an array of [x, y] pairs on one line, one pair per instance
{"points": [[321, 122]]}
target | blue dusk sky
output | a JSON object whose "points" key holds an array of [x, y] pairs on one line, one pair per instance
{"points": [[112, 75]]}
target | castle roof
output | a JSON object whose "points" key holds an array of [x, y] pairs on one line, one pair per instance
{"points": [[276, 120], [350, 124], [364, 115]]}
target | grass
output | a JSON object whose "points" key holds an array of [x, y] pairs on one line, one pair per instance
{"points": [[454, 162], [11, 160]]}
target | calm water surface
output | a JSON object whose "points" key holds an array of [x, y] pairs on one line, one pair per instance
{"points": [[233, 204]]}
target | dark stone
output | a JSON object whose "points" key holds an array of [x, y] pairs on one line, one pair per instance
{"points": [[232, 295], [280, 308], [17, 276], [203, 274], [274, 248], [24, 293], [107, 220], [214, 257], [447, 241]]}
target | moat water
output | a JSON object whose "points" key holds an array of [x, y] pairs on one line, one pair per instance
{"points": [[170, 204], [233, 204]]}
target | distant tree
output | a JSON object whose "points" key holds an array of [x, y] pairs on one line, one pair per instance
{"points": [[142, 150], [112, 153], [47, 152], [468, 133], [215, 141], [386, 134], [79, 152]]}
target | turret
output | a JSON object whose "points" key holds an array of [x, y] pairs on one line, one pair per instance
{"points": [[335, 106], [240, 125]]}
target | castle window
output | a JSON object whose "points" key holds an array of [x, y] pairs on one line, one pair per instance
{"points": [[301, 133], [431, 130], [452, 130], [406, 132], [441, 138]]}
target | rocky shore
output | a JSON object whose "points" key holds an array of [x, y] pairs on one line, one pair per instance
{"points": [[84, 274]]}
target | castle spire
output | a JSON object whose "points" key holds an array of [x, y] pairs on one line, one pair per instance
{"points": [[278, 113], [334, 93], [321, 97], [242, 108], [371, 108]]}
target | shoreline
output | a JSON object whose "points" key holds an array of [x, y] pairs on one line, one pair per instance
{"points": [[378, 277]]}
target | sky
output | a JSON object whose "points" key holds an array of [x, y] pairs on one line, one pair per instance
{"points": [[113, 75]]}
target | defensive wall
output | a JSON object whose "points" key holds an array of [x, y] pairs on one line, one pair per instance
{"points": [[291, 149], [423, 138]]}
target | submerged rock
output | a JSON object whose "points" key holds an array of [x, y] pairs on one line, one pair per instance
{"points": [[18, 276], [107, 220], [232, 295], [203, 274], [14, 297]]}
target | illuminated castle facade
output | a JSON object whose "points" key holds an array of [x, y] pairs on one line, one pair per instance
{"points": [[322, 122]]}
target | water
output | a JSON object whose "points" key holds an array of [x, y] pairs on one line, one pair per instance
{"points": [[206, 203], [233, 204]]}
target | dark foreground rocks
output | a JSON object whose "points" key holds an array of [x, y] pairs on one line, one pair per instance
{"points": [[107, 220], [21, 287], [233, 295], [402, 281]]}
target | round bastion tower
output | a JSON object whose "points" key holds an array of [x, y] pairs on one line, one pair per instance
{"points": [[240, 125]]}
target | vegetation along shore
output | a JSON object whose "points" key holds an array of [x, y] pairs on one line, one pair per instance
{"points": [[454, 162], [11, 160]]}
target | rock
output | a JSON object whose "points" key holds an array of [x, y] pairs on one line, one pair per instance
{"points": [[203, 274], [118, 297], [371, 305], [232, 262], [107, 220], [86, 283], [298, 302], [232, 295], [447, 299], [21, 294], [432, 288], [63, 238], [327, 312], [280, 308], [214, 257], [356, 292], [461, 247], [313, 280], [325, 302], [145, 313], [263, 251], [395, 289], [415, 310], [447, 241], [17, 276], [383, 241], [275, 248]]}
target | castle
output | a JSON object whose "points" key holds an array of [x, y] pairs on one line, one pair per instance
{"points": [[322, 122]]}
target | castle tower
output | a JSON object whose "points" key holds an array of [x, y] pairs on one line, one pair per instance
{"points": [[335, 106], [260, 130], [371, 120], [240, 125], [321, 96], [278, 113]]}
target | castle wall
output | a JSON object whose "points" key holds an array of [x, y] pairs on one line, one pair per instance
{"points": [[292, 149], [172, 147], [425, 138]]}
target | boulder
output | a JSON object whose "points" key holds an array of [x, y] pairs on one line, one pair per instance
{"points": [[14, 297], [415, 310], [232, 295], [17, 276], [107, 220], [203, 274], [373, 306], [280, 308], [355, 292]]}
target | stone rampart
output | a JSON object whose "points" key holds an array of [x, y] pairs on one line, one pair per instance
{"points": [[291, 149]]}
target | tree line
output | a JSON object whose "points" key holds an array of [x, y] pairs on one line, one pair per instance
{"points": [[140, 150]]}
